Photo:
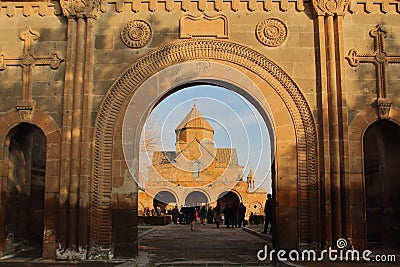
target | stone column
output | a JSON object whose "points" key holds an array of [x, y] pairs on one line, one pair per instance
{"points": [[87, 130], [77, 123], [76, 134], [66, 132], [333, 118]]}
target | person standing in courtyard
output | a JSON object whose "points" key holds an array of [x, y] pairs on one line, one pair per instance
{"points": [[175, 215], [234, 214], [227, 215], [241, 214], [218, 215], [203, 214], [210, 215], [191, 216], [268, 214]]}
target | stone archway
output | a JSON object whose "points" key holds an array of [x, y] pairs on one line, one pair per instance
{"points": [[9, 123], [234, 67], [196, 199], [229, 197], [164, 200]]}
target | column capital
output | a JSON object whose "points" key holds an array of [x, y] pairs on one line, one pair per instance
{"points": [[80, 8], [330, 7]]}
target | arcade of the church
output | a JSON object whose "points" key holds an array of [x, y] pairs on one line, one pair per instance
{"points": [[78, 79]]}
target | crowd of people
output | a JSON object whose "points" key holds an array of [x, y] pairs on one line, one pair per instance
{"points": [[231, 215]]}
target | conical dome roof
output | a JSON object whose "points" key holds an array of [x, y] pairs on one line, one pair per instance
{"points": [[194, 119], [250, 174]]}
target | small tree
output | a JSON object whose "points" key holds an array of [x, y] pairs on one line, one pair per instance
{"points": [[150, 141]]}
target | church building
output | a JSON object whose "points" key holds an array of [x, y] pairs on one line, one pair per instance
{"points": [[198, 173]]}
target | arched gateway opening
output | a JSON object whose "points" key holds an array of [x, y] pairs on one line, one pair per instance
{"points": [[382, 182], [196, 199], [228, 198], [237, 68], [24, 194], [164, 200]]}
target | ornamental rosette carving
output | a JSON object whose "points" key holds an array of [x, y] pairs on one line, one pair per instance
{"points": [[136, 33], [80, 8], [330, 7], [271, 32]]}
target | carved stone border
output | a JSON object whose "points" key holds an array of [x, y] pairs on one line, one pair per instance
{"points": [[197, 49], [137, 6]]}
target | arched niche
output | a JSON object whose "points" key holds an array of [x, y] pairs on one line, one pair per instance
{"points": [[12, 125], [196, 199]]}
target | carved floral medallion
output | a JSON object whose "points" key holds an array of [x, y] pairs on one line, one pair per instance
{"points": [[271, 32], [136, 33]]}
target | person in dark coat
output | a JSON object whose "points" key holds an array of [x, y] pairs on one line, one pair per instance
{"points": [[234, 215], [175, 215], [218, 215], [210, 215], [241, 214], [268, 214], [203, 214], [191, 214], [227, 215], [184, 219]]}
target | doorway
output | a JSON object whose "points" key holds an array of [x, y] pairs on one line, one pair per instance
{"points": [[196, 199], [229, 198], [164, 201], [24, 192], [382, 182]]}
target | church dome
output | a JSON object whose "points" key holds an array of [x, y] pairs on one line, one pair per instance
{"points": [[194, 120]]}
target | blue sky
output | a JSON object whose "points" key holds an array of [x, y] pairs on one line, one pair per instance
{"points": [[237, 124]]}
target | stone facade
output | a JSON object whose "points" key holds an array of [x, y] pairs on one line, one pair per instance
{"points": [[320, 72], [197, 166]]}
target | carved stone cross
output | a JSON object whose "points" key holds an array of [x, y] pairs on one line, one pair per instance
{"points": [[28, 61], [380, 59]]}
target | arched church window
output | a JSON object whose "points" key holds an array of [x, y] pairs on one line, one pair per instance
{"points": [[196, 169]]}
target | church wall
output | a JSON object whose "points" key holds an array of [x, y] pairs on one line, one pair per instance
{"points": [[362, 94], [47, 84], [361, 80], [112, 57]]}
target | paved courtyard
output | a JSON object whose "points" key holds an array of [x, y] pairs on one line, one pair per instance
{"points": [[177, 245], [174, 245]]}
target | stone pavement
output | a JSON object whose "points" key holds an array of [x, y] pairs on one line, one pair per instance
{"points": [[177, 245], [174, 245]]}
